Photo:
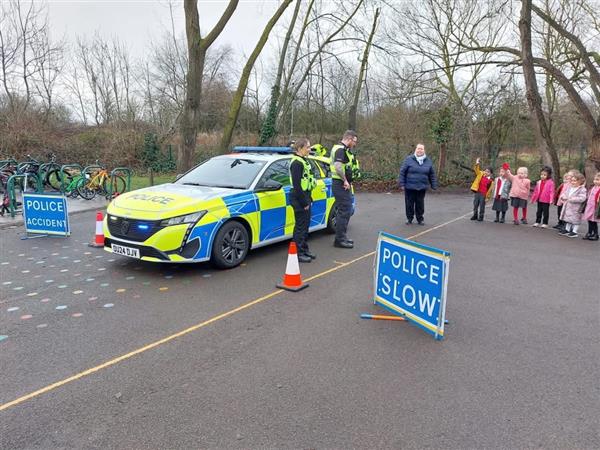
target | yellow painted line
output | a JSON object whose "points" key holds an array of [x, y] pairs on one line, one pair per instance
{"points": [[114, 361], [164, 340]]}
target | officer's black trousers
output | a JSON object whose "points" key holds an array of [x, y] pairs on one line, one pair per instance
{"points": [[343, 201], [414, 200], [302, 217]]}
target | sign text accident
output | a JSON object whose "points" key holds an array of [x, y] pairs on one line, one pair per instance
{"points": [[411, 279]]}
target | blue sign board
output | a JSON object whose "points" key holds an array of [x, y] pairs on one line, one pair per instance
{"points": [[411, 280], [46, 214]]}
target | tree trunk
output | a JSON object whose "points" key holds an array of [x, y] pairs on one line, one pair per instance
{"points": [[361, 76], [268, 128], [592, 162], [151, 176], [442, 160], [197, 48], [238, 96], [542, 134]]}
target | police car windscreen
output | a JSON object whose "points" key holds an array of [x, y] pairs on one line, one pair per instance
{"points": [[232, 173]]}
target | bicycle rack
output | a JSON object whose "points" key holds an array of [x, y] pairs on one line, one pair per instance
{"points": [[125, 171], [8, 162], [64, 175], [10, 187]]}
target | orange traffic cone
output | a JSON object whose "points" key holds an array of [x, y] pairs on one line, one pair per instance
{"points": [[99, 239], [292, 280]]}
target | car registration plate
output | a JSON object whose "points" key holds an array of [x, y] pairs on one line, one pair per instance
{"points": [[125, 251]]}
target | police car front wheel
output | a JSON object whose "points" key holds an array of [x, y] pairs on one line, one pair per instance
{"points": [[231, 245]]}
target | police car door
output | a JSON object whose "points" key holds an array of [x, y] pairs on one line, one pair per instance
{"points": [[273, 202], [319, 195]]}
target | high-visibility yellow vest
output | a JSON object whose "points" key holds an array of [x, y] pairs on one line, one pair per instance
{"points": [[319, 150], [307, 182], [352, 163]]}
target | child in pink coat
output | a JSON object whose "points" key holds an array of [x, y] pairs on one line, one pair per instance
{"points": [[543, 195], [559, 206], [592, 210], [519, 193], [572, 199]]}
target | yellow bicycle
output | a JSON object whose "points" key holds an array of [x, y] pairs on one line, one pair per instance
{"points": [[99, 182]]}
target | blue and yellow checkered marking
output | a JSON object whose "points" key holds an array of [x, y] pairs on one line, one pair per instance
{"points": [[268, 215]]}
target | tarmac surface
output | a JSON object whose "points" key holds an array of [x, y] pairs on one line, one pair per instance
{"points": [[190, 357]]}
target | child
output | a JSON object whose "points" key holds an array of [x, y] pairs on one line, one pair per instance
{"points": [[481, 187], [572, 200], [565, 185], [543, 194], [519, 193], [592, 210], [501, 191]]}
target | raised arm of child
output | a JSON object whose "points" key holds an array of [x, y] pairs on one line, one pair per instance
{"points": [[477, 166]]}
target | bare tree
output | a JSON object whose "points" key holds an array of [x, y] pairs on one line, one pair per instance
{"points": [[29, 60], [425, 34], [268, 129], [197, 48], [362, 74], [542, 132], [574, 77], [241, 89]]}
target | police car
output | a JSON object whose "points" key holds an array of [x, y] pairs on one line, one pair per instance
{"points": [[217, 211]]}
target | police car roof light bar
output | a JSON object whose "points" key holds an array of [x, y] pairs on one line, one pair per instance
{"points": [[243, 149]]}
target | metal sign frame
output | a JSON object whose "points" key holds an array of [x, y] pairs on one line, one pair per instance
{"points": [[436, 329]]}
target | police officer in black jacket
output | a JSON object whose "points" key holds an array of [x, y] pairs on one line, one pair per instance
{"points": [[303, 182], [344, 170]]}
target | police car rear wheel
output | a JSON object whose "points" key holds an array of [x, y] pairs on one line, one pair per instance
{"points": [[332, 219], [230, 246]]}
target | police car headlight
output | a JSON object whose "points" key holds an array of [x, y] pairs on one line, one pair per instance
{"points": [[188, 218]]}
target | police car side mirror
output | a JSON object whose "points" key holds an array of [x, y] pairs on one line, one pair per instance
{"points": [[269, 185]]}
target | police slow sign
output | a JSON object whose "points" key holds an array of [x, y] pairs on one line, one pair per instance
{"points": [[45, 214], [411, 280]]}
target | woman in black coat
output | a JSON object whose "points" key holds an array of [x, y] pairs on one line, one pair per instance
{"points": [[416, 176]]}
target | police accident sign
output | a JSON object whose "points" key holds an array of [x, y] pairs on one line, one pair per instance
{"points": [[411, 279], [46, 214]]}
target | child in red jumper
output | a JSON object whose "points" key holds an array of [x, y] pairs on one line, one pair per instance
{"points": [[543, 194], [481, 187]]}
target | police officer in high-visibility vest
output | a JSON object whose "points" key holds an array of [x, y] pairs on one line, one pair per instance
{"points": [[344, 170], [303, 182]]}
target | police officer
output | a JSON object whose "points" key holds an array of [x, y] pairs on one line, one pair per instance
{"points": [[319, 150], [344, 169], [303, 182]]}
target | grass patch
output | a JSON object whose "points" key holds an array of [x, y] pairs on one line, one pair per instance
{"points": [[138, 182]]}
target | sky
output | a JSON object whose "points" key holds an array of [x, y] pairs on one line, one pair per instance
{"points": [[136, 23]]}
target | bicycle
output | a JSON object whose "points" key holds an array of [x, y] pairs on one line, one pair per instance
{"points": [[30, 169], [73, 182], [50, 173], [99, 184]]}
